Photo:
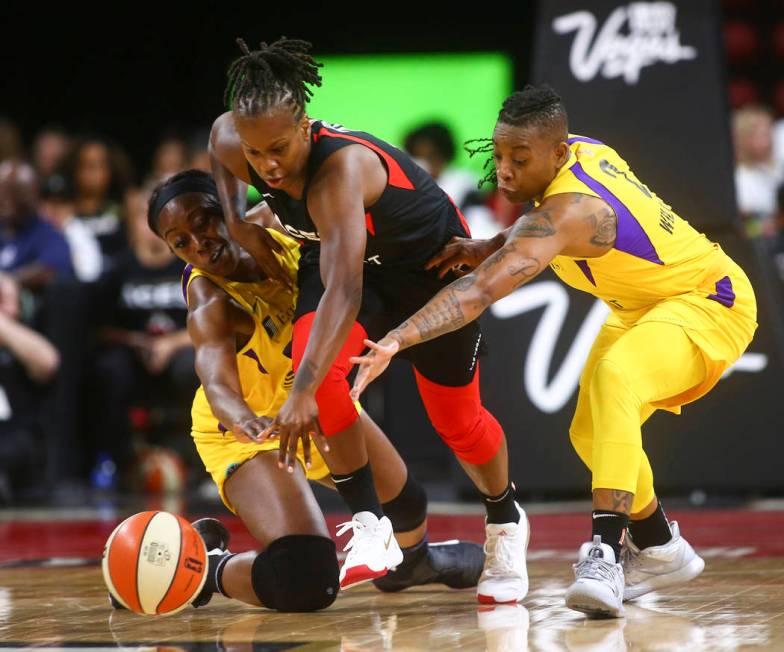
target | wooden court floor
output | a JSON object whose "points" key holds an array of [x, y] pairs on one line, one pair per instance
{"points": [[737, 604]]}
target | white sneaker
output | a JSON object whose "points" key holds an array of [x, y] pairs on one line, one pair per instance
{"points": [[504, 578], [598, 587], [656, 567], [372, 551]]}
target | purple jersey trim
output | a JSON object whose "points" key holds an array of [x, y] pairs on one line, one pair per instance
{"points": [[630, 236], [583, 139], [222, 428], [186, 275], [583, 265], [252, 355], [725, 295]]}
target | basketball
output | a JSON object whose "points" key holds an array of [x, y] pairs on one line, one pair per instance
{"points": [[154, 563]]}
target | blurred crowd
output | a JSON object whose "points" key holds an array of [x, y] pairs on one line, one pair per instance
{"points": [[96, 367]]}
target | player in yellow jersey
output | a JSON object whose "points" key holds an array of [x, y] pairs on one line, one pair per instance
{"points": [[681, 313], [240, 325]]}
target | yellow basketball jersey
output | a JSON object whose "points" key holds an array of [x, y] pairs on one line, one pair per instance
{"points": [[657, 254], [264, 364]]}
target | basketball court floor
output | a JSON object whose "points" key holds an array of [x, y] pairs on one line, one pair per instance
{"points": [[52, 595]]}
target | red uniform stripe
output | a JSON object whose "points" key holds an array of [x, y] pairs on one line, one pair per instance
{"points": [[460, 215], [397, 177], [369, 223]]}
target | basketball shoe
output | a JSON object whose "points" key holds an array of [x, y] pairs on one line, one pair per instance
{"points": [[458, 564], [372, 551], [657, 567], [598, 587], [505, 577], [216, 540]]}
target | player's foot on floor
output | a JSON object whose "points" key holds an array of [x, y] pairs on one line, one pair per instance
{"points": [[598, 587], [504, 578], [216, 539], [657, 567], [213, 533], [372, 551], [458, 564]]}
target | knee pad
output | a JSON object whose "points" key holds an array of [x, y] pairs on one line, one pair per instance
{"points": [[298, 572], [336, 409], [407, 510], [461, 421]]}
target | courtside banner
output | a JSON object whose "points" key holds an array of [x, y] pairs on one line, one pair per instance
{"points": [[647, 79]]}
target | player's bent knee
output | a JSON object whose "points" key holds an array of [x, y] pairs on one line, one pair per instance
{"points": [[408, 510], [582, 443], [475, 439], [298, 572]]}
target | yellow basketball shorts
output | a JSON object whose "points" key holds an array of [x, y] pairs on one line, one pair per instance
{"points": [[672, 356], [222, 455]]}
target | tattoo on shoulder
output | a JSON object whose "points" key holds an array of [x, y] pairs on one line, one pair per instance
{"points": [[604, 225], [536, 224]]}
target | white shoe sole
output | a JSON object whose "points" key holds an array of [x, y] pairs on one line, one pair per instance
{"points": [[582, 598], [485, 599], [656, 582], [393, 559]]}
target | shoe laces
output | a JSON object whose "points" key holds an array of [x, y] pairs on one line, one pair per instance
{"points": [[595, 568], [499, 553], [362, 533]]}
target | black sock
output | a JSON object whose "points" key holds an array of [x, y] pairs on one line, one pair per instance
{"points": [[502, 508], [651, 531], [358, 491], [611, 526], [215, 566]]}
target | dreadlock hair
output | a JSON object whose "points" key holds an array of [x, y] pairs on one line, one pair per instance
{"points": [[275, 74], [535, 106], [211, 202]]}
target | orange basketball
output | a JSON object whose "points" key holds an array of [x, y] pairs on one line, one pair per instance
{"points": [[154, 563]]}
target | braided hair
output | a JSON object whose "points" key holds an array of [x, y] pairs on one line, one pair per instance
{"points": [[536, 106], [275, 74]]}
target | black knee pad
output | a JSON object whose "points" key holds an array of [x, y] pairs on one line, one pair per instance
{"points": [[407, 510], [298, 572]]}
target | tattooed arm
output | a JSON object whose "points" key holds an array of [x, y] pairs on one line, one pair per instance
{"points": [[558, 225]]}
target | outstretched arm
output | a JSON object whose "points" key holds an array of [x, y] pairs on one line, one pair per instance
{"points": [[532, 242], [349, 180]]}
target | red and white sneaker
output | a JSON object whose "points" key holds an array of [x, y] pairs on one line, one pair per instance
{"points": [[372, 551], [505, 576]]}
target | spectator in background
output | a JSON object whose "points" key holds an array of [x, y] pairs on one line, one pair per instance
{"points": [[171, 156], [28, 361], [757, 176], [50, 147], [99, 173], [433, 148], [144, 348], [57, 207], [10, 140], [200, 155], [777, 242], [31, 250]]}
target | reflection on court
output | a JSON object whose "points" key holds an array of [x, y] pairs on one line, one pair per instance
{"points": [[735, 604]]}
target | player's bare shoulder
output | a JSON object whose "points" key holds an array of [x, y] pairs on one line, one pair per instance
{"points": [[590, 221], [225, 146]]}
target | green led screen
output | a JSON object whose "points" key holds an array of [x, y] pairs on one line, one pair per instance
{"points": [[387, 95]]}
